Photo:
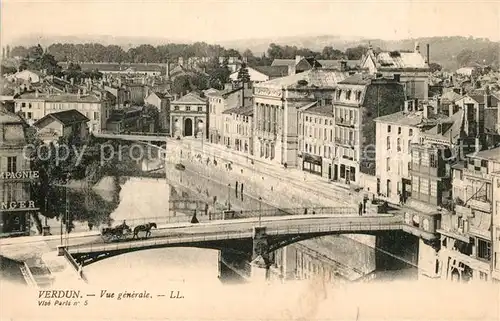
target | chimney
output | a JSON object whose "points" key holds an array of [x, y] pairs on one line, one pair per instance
{"points": [[487, 97], [426, 110], [343, 65], [428, 53], [417, 47], [297, 59]]}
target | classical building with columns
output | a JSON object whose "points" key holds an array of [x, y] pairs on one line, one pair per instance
{"points": [[188, 116], [276, 105]]}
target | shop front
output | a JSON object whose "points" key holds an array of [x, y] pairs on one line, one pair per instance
{"points": [[312, 164]]}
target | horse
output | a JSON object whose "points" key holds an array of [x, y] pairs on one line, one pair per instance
{"points": [[144, 228]]}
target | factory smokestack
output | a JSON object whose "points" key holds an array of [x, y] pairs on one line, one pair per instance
{"points": [[428, 54]]}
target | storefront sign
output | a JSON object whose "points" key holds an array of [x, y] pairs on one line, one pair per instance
{"points": [[20, 175], [17, 205]]}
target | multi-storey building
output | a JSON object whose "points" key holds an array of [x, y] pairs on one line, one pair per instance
{"points": [[276, 105], [238, 131], [161, 100], [15, 177], [396, 133], [218, 103], [95, 105], [495, 202], [410, 68], [468, 232], [358, 100], [189, 116], [316, 139]]}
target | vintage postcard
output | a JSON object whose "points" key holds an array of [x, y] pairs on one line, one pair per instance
{"points": [[249, 160]]}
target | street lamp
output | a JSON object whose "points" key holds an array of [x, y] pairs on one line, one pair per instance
{"points": [[201, 128], [229, 196], [260, 211]]}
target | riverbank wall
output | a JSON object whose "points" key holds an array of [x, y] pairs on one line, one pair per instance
{"points": [[275, 191]]}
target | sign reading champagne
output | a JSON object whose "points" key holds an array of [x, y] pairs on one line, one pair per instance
{"points": [[20, 175]]}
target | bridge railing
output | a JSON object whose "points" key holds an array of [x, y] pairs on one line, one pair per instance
{"points": [[135, 134], [185, 215], [203, 233]]}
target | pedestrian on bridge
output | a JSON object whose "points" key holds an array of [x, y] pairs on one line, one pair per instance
{"points": [[360, 209]]}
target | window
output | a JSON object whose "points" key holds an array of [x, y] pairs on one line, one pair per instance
{"points": [[200, 108], [433, 188], [483, 249], [176, 107], [388, 164], [29, 115], [399, 130], [188, 108], [23, 104], [425, 224], [410, 132], [388, 142], [415, 183], [348, 95], [324, 133], [358, 95], [307, 118], [399, 144], [12, 164], [409, 146], [339, 92], [424, 159], [424, 186], [96, 115], [433, 160], [388, 128]]}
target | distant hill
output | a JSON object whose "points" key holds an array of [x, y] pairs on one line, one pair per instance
{"points": [[443, 50]]}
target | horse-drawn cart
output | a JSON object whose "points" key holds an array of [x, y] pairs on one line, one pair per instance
{"points": [[115, 233]]}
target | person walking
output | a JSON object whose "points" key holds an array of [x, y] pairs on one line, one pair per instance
{"points": [[360, 209]]}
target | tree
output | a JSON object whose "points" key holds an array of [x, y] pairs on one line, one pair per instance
{"points": [[7, 70], [181, 84], [243, 75], [356, 53], [330, 53], [435, 67]]}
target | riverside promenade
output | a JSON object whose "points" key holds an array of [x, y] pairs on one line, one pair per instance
{"points": [[275, 185]]}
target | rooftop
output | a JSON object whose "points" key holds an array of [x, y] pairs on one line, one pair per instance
{"points": [[66, 117], [452, 132], [325, 110], [490, 154], [60, 97], [245, 111], [315, 77], [7, 117], [272, 71], [401, 60], [356, 79], [190, 98]]}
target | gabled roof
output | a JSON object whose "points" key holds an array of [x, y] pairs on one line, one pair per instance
{"points": [[336, 64], [7, 117], [162, 95], [272, 71], [325, 110], [315, 77], [356, 79], [190, 98], [401, 60], [490, 154], [452, 133], [245, 111], [66, 117], [451, 96]]}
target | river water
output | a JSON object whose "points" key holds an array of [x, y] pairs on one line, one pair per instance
{"points": [[133, 198]]}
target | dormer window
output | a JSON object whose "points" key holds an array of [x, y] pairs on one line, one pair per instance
{"points": [[358, 95], [339, 92], [348, 95]]}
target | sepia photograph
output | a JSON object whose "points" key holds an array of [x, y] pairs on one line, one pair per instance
{"points": [[249, 160]]}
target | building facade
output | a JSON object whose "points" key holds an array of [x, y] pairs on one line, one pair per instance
{"points": [[409, 68], [189, 116], [238, 131], [468, 232], [95, 106], [276, 116], [316, 139], [396, 135], [358, 100], [218, 103], [15, 178], [68, 123], [162, 102], [495, 273]]}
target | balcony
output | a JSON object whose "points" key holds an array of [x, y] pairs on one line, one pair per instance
{"points": [[345, 142], [345, 122]]}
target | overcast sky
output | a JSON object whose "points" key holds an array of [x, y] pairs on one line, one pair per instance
{"points": [[229, 19]]}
